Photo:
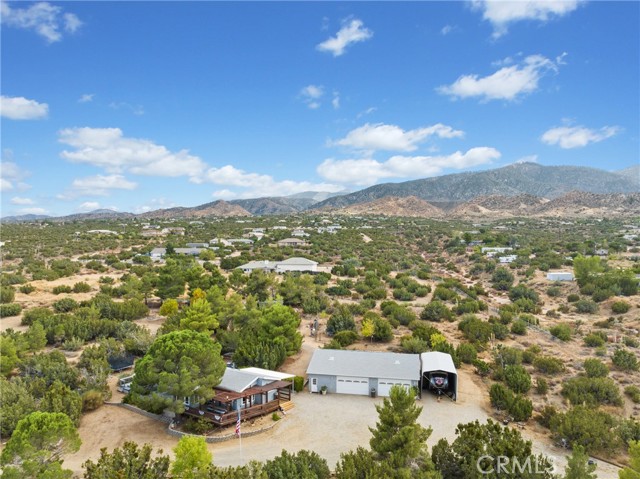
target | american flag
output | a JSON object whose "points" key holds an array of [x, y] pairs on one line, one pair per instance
{"points": [[238, 424]]}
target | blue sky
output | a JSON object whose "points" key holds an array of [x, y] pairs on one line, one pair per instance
{"points": [[145, 105]]}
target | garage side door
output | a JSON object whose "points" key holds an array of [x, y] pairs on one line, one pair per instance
{"points": [[352, 385], [384, 385]]}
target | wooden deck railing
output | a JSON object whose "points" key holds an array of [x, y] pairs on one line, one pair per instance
{"points": [[231, 417]]}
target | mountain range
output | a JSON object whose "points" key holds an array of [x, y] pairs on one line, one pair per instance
{"points": [[520, 189]]}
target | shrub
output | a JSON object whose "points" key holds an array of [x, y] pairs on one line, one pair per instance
{"points": [[542, 386], [554, 291], [27, 289], [519, 327], [529, 354], [92, 400], [413, 345], [620, 307], [591, 391], [625, 360], [517, 378], [633, 392], [482, 367], [520, 408], [10, 309], [65, 305], [573, 297], [436, 311], [298, 384], [546, 416], [501, 397], [595, 340], [7, 294], [63, 288], [630, 342], [548, 365], [72, 344], [345, 338], [586, 306], [561, 331], [197, 426], [81, 287], [467, 353], [594, 368], [591, 428], [275, 417], [35, 314]]}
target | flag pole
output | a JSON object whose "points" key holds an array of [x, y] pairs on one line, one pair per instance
{"points": [[239, 434]]}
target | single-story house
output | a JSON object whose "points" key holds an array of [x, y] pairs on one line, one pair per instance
{"points": [[252, 392], [495, 249], [245, 241], [560, 276], [508, 258], [361, 372], [291, 264], [265, 265], [296, 264], [197, 245], [292, 242], [157, 253], [439, 374]]}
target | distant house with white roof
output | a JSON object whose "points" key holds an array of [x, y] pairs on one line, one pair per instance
{"points": [[291, 264], [292, 242]]}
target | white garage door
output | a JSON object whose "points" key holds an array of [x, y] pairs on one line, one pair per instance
{"points": [[349, 385], [384, 385]]}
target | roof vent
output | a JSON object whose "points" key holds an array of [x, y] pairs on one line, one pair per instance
{"points": [[331, 358], [396, 362]]}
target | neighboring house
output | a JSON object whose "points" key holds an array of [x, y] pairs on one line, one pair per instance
{"points": [[299, 233], [292, 242], [560, 276], [157, 253], [296, 264], [362, 372], [240, 241], [602, 252], [494, 250], [197, 245], [267, 266], [103, 232], [291, 264], [508, 259], [252, 392], [176, 230], [152, 233]]}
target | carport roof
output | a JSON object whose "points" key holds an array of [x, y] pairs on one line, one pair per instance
{"points": [[333, 362], [437, 361]]}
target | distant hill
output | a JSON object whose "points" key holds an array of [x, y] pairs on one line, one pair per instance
{"points": [[24, 218], [391, 206], [513, 180], [576, 204], [280, 205], [215, 208], [101, 214]]}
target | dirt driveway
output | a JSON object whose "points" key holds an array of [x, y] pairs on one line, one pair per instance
{"points": [[328, 425]]}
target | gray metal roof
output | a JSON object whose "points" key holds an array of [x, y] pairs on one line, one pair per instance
{"points": [[236, 380], [258, 265], [297, 260], [437, 361], [336, 362]]}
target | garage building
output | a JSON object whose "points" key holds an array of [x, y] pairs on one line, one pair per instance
{"points": [[439, 374], [359, 372]]}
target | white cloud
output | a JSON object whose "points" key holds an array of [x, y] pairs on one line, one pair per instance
{"points": [[363, 172], [508, 83], [224, 194], [502, 13], [86, 98], [368, 111], [527, 159], [45, 19], [257, 185], [393, 138], [335, 102], [11, 175], [107, 148], [351, 32], [137, 110], [447, 29], [568, 137], [89, 206], [20, 108], [32, 211], [99, 185], [17, 200], [311, 94]]}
